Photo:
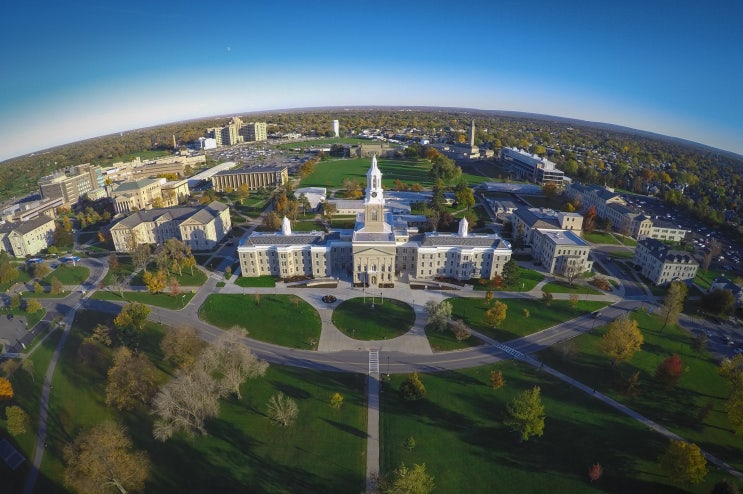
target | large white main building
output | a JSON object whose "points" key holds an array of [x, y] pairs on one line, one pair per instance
{"points": [[380, 250]]}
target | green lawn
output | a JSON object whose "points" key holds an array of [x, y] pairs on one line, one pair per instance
{"points": [[622, 254], [385, 319], [23, 277], [564, 287], [628, 241], [68, 275], [704, 279], [332, 172], [256, 282], [322, 142], [243, 451], [600, 238], [444, 341], [516, 325], [274, 319], [676, 409], [27, 390], [125, 267], [528, 279], [164, 300], [460, 436]]}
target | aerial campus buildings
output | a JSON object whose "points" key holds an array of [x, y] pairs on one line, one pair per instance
{"points": [[381, 249]]}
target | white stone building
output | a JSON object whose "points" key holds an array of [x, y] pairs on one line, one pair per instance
{"points": [[662, 265]]}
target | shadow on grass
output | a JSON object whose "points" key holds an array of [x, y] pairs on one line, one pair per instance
{"points": [[347, 428]]}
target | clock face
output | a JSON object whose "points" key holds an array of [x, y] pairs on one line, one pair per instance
{"points": [[374, 194]]}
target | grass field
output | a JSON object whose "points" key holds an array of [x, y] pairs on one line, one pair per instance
{"points": [[460, 436], [271, 318], [676, 409], [386, 319], [23, 277], [68, 275], [256, 282], [322, 142], [243, 451], [600, 238], [704, 279], [159, 299], [528, 279], [516, 325], [564, 287], [444, 341]]}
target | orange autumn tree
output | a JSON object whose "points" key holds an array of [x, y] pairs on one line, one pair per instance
{"points": [[6, 389]]}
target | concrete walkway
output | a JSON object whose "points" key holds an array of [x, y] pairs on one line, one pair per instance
{"points": [[372, 432]]}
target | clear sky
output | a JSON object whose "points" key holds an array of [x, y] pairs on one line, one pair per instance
{"points": [[83, 68]]}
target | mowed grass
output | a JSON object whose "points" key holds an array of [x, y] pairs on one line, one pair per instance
{"points": [[676, 409], [331, 173], [528, 279], [564, 287], [243, 451], [600, 238], [517, 324], [68, 275], [387, 318], [445, 341], [256, 282], [164, 300], [460, 436], [284, 320], [27, 389]]}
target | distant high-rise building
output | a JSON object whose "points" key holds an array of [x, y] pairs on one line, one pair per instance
{"points": [[336, 128], [236, 132], [254, 132], [73, 183]]}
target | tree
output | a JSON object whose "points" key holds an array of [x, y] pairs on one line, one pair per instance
{"points": [[669, 371], [17, 420], [567, 349], [438, 314], [718, 301], [683, 462], [595, 472], [230, 362], [409, 481], [185, 403], [336, 401], [699, 343], [511, 273], [673, 303], [33, 306], [38, 289], [488, 297], [496, 314], [465, 196], [133, 316], [29, 368], [330, 210], [526, 414], [41, 269], [497, 380], [725, 487], [734, 407], [589, 220], [412, 388], [56, 286], [181, 346], [574, 299], [102, 458], [140, 255], [271, 221], [622, 340], [243, 192], [8, 272], [282, 409], [155, 282], [461, 330], [113, 262], [6, 389], [189, 262], [132, 379]]}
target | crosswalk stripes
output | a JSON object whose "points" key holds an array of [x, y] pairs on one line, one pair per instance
{"points": [[373, 361], [511, 351]]}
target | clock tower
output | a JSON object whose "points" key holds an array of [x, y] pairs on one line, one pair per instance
{"points": [[374, 200]]}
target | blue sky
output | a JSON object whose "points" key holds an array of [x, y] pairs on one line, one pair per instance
{"points": [[82, 68]]}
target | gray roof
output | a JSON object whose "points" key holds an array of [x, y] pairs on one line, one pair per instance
{"points": [[262, 238], [536, 220], [664, 253], [24, 227], [445, 240], [253, 169], [135, 185], [176, 214]]}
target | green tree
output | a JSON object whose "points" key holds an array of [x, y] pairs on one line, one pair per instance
{"points": [[511, 274], [336, 401], [102, 458], [683, 462], [56, 286], [133, 316], [412, 388], [465, 196], [33, 306], [673, 304], [409, 481], [17, 420], [181, 346], [718, 301], [526, 414], [622, 340]]}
